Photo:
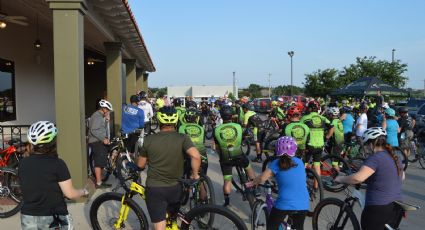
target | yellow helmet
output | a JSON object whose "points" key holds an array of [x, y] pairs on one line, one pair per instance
{"points": [[167, 115], [274, 103]]}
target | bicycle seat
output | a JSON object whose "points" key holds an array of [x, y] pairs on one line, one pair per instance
{"points": [[406, 206], [188, 182]]}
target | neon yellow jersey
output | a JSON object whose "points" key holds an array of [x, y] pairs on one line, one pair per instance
{"points": [[247, 116], [338, 131], [317, 125], [196, 134], [159, 103], [228, 136], [300, 132]]}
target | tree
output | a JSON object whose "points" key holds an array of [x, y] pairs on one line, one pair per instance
{"points": [[321, 82], [286, 90], [254, 90]]}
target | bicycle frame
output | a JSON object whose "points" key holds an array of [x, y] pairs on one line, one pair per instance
{"points": [[134, 189], [6, 154]]}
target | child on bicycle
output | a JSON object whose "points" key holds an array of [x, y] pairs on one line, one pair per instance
{"points": [[293, 197]]}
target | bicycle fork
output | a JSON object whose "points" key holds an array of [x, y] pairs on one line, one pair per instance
{"points": [[123, 213]]}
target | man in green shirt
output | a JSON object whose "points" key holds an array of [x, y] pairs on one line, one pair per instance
{"points": [[164, 153], [317, 124], [296, 129], [228, 141], [254, 122]]}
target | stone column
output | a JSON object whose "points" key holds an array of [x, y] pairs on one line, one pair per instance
{"points": [[68, 54], [130, 66], [145, 80], [139, 79], [114, 81]]}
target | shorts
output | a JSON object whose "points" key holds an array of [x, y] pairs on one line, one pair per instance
{"points": [[260, 136], [160, 200], [44, 222], [130, 142], [277, 216], [376, 216], [316, 153], [227, 167], [100, 154]]}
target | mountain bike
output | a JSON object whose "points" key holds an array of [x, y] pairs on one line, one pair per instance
{"points": [[417, 152], [125, 213], [10, 193], [333, 213]]}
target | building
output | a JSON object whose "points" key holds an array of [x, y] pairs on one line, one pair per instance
{"points": [[197, 92], [57, 57]]}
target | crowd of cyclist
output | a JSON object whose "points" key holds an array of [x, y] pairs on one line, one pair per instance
{"points": [[305, 130]]}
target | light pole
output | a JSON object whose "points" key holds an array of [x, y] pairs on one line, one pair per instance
{"points": [[393, 55], [270, 87], [291, 54], [235, 94]]}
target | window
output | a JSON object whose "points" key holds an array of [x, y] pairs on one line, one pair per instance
{"points": [[7, 91]]}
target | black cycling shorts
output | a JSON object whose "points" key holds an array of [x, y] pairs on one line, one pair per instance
{"points": [[227, 167], [316, 153], [159, 200], [278, 216], [376, 216], [100, 154]]}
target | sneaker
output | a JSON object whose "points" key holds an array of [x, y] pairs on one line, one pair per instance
{"points": [[103, 185], [257, 159]]}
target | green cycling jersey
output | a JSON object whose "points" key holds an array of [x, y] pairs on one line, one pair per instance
{"points": [[300, 132], [197, 135], [338, 131], [317, 124], [228, 136]]}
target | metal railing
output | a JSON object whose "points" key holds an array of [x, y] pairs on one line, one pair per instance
{"points": [[9, 132]]}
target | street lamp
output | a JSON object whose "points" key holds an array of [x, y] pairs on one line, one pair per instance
{"points": [[393, 55], [291, 54]]}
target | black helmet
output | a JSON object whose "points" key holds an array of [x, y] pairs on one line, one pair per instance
{"points": [[191, 115], [143, 95], [248, 106], [177, 102], [226, 112], [191, 104], [346, 109], [403, 110]]}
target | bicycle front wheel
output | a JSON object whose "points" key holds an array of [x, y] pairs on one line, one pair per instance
{"points": [[314, 188], [330, 164], [10, 193], [326, 213], [105, 213], [223, 218], [259, 215]]}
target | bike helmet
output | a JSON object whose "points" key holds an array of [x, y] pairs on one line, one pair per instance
{"points": [[293, 111], [403, 110], [274, 103], [42, 132], [334, 111], [314, 106], [226, 113], [167, 115], [105, 104], [390, 112], [191, 115], [177, 102], [344, 102], [373, 133], [286, 146], [191, 104], [346, 109]]}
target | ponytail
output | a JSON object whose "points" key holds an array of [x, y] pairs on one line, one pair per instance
{"points": [[390, 150], [286, 163]]}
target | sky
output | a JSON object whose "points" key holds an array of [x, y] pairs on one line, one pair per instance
{"points": [[202, 42]]}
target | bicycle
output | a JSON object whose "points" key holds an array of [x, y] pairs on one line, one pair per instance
{"points": [[417, 152], [205, 216], [344, 216], [262, 209], [10, 193], [10, 156]]}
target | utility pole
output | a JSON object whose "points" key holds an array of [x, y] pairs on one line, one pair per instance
{"points": [[291, 54], [270, 86], [393, 55], [235, 93]]}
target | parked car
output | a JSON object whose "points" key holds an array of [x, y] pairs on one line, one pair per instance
{"points": [[413, 105], [262, 105]]}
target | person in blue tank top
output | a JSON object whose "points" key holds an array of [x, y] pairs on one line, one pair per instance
{"points": [[293, 197], [347, 119], [390, 125]]}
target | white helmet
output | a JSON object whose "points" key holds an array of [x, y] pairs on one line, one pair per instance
{"points": [[385, 105], [334, 111], [42, 132], [373, 133], [105, 104]]}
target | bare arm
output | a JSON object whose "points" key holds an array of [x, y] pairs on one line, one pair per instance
{"points": [[141, 162], [70, 192], [330, 133], [356, 178], [263, 177], [195, 157]]}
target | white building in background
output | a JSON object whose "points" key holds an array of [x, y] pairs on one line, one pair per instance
{"points": [[197, 92]]}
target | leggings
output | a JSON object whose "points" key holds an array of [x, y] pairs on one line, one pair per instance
{"points": [[376, 216], [278, 216]]}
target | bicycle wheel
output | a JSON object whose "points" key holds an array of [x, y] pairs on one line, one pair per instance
{"points": [[328, 171], [205, 192], [315, 194], [223, 218], [10, 193], [259, 215], [105, 211], [246, 147], [326, 213]]}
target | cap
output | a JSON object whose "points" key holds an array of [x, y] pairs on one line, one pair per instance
{"points": [[134, 99]]}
